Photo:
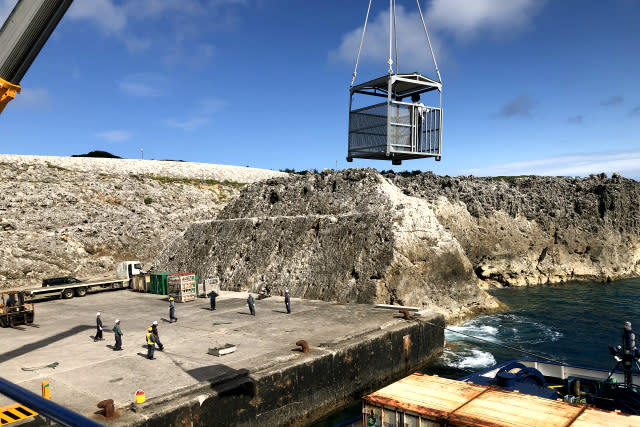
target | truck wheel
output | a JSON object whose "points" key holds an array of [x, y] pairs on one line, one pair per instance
{"points": [[117, 285], [67, 293], [80, 292]]}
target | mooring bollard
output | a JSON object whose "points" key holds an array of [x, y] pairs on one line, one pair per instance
{"points": [[109, 408], [406, 314], [304, 345]]}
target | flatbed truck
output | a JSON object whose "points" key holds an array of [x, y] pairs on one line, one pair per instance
{"points": [[126, 272]]}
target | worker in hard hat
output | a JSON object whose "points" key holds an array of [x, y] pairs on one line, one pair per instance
{"points": [[98, 336], [154, 329], [151, 343], [172, 310]]}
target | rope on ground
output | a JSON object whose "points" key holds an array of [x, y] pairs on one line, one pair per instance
{"points": [[495, 343], [50, 365]]}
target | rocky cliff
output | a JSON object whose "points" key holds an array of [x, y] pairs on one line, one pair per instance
{"points": [[346, 236], [354, 235], [533, 230], [78, 216]]}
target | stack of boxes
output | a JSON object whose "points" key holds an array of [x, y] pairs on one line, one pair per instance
{"points": [[182, 286]]}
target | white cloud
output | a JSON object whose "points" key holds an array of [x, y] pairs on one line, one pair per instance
{"points": [[413, 50], [143, 85], [104, 13], [465, 18], [462, 18], [201, 114], [581, 164], [189, 124], [114, 135], [33, 98]]}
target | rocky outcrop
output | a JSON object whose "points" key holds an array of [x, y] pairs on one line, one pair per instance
{"points": [[337, 236], [78, 216], [534, 230]]}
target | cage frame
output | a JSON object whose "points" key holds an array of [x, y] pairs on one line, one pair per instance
{"points": [[395, 87]]}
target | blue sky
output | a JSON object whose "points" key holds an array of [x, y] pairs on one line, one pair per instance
{"points": [[529, 86]]}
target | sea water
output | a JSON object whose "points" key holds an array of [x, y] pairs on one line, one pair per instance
{"points": [[570, 323]]}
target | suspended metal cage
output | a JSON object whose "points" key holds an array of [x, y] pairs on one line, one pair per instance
{"points": [[387, 120]]}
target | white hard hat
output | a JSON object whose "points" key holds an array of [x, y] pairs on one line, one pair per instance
{"points": [[155, 322], [117, 320], [287, 291], [98, 314]]}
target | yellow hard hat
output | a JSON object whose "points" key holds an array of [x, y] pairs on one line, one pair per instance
{"points": [[150, 329], [171, 299]]}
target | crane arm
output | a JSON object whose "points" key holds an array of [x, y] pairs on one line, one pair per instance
{"points": [[23, 34]]}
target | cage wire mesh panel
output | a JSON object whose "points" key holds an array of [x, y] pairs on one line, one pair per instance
{"points": [[414, 131], [368, 129]]}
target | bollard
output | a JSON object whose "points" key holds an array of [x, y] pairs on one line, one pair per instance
{"points": [[109, 408], [406, 314], [304, 345]]}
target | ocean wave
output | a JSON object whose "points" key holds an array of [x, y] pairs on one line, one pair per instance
{"points": [[472, 359], [504, 328]]}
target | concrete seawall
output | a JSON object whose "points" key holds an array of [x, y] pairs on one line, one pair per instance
{"points": [[267, 381], [300, 391]]}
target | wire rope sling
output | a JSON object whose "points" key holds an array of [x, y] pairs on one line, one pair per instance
{"points": [[401, 127]]}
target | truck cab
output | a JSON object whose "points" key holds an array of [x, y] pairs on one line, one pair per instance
{"points": [[129, 269]]}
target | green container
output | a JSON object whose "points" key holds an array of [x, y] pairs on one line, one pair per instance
{"points": [[158, 283]]}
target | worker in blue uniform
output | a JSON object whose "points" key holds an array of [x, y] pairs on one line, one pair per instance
{"points": [[287, 301], [212, 296], [172, 311]]}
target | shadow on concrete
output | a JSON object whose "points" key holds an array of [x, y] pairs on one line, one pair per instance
{"points": [[242, 312], [165, 320], [145, 356], [279, 311], [217, 374], [27, 348]]}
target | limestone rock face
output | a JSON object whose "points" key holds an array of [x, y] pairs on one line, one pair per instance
{"points": [[64, 216], [535, 230], [347, 236]]}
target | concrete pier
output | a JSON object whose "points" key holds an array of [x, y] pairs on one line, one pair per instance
{"points": [[268, 381]]}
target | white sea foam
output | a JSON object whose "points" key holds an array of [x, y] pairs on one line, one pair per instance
{"points": [[486, 332], [468, 359]]}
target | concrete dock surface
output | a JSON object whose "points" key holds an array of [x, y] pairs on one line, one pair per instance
{"points": [[89, 372]]}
